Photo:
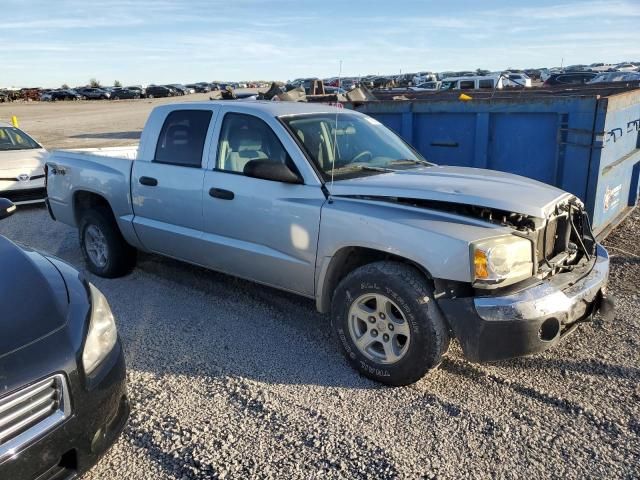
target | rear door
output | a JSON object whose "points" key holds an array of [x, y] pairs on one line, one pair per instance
{"points": [[167, 188], [263, 230]]}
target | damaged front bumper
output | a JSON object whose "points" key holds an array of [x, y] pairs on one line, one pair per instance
{"points": [[531, 320]]}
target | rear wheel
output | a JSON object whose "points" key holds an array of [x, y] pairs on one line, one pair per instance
{"points": [[105, 251], [388, 324]]}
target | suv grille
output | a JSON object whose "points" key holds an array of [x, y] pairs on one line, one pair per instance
{"points": [[31, 412]]}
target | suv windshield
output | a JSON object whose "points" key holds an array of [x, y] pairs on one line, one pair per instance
{"points": [[351, 144], [13, 139]]}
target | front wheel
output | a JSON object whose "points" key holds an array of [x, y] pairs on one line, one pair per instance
{"points": [[388, 324], [105, 251]]}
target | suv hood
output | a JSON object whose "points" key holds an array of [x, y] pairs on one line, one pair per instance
{"points": [[462, 185], [33, 297]]}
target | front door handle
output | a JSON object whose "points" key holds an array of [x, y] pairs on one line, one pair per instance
{"points": [[149, 181], [220, 193]]}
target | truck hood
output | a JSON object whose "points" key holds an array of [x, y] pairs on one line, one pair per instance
{"points": [[461, 185], [33, 297], [22, 161]]}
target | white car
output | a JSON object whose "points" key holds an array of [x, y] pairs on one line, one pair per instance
{"points": [[626, 67], [22, 161], [514, 79]]}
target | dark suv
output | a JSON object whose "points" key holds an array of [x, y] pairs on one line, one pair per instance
{"points": [[158, 91], [63, 399], [569, 78]]}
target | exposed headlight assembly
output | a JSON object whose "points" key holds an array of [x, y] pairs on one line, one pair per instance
{"points": [[103, 333], [501, 261]]}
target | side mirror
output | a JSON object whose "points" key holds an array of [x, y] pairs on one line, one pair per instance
{"points": [[269, 170], [7, 208]]}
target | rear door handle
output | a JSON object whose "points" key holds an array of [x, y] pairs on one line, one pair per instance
{"points": [[149, 181], [220, 193]]}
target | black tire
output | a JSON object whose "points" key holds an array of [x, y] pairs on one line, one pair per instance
{"points": [[408, 288], [121, 257]]}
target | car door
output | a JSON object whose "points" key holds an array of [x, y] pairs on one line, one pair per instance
{"points": [[262, 230], [167, 187]]}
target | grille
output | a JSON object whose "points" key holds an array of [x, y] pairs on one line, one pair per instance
{"points": [[24, 195], [31, 412]]}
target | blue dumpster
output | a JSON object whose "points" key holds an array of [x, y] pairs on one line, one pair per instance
{"points": [[587, 144]]}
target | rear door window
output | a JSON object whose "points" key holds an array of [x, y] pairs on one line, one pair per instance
{"points": [[467, 85], [182, 138]]}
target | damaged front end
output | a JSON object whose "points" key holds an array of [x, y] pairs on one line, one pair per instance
{"points": [[566, 287]]}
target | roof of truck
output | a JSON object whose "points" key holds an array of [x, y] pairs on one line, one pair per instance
{"points": [[273, 108]]}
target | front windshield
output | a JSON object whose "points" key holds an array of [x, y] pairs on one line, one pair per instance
{"points": [[359, 144], [13, 139]]}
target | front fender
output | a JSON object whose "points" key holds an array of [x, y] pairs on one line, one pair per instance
{"points": [[436, 241]]}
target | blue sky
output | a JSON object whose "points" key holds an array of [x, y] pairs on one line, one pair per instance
{"points": [[50, 42]]}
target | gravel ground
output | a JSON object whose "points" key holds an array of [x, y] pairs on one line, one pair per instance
{"points": [[232, 380]]}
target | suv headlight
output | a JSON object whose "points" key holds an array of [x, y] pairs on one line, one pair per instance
{"points": [[501, 261], [103, 333]]}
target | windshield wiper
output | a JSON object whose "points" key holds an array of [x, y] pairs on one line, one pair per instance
{"points": [[412, 160], [366, 168]]}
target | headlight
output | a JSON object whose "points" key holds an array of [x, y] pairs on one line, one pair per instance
{"points": [[102, 334], [501, 261]]}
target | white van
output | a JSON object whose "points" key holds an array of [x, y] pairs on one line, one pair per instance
{"points": [[472, 83]]}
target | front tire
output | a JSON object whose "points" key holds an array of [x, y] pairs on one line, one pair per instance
{"points": [[388, 324], [105, 251]]}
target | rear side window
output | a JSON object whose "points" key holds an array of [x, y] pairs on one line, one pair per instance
{"points": [[182, 137], [466, 85], [485, 83]]}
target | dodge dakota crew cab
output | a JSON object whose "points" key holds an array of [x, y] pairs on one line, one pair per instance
{"points": [[330, 204]]}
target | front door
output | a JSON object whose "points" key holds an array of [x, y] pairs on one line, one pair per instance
{"points": [[258, 229], [167, 191]]}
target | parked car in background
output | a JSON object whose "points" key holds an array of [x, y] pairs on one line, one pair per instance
{"points": [[45, 96], [516, 80], [22, 162], [63, 399], [65, 95], [93, 93], [615, 77], [569, 78], [158, 91], [626, 67], [142, 92], [473, 83], [423, 77], [328, 89], [433, 85], [348, 83], [120, 93], [199, 87], [288, 194], [178, 89]]}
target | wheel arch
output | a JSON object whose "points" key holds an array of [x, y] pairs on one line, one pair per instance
{"points": [[346, 260], [84, 200]]}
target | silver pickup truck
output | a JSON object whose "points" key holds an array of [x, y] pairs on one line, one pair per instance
{"points": [[330, 204]]}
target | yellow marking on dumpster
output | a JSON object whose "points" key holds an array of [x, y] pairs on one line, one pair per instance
{"points": [[464, 98]]}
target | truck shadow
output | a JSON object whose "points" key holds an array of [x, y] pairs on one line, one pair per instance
{"points": [[132, 135]]}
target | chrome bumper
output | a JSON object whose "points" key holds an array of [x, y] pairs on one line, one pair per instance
{"points": [[554, 298]]}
